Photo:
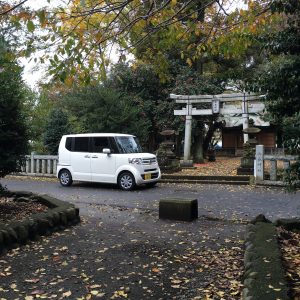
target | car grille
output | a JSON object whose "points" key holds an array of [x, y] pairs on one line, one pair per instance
{"points": [[150, 170], [149, 161]]}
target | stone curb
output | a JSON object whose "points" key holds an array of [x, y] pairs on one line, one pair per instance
{"points": [[59, 215], [201, 179], [289, 224], [264, 276]]}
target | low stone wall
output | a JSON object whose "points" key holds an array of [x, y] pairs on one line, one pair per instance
{"points": [[264, 276], [59, 215]]}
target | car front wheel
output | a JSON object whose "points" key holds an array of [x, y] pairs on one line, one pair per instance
{"points": [[126, 181], [65, 178]]}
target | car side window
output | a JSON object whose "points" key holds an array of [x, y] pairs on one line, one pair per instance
{"points": [[99, 143], [81, 144], [69, 143]]}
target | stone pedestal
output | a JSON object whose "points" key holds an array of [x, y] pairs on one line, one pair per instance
{"points": [[186, 163], [247, 166]]}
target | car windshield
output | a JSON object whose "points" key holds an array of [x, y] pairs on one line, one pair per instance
{"points": [[128, 144]]}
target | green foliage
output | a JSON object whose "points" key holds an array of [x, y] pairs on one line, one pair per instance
{"points": [[57, 125], [38, 115], [149, 94], [291, 133], [191, 82], [292, 176], [279, 78], [101, 109], [13, 136]]}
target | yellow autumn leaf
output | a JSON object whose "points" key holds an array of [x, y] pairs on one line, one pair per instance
{"points": [[189, 62], [94, 292], [220, 293], [67, 294], [155, 270], [235, 293], [13, 286]]}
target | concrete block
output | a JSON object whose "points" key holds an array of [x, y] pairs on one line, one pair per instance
{"points": [[178, 209]]}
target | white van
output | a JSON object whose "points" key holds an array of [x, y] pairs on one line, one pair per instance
{"points": [[106, 158]]}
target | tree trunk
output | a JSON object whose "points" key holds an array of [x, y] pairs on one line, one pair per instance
{"points": [[212, 128]]}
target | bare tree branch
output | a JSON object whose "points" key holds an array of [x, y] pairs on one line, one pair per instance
{"points": [[12, 8], [222, 8]]}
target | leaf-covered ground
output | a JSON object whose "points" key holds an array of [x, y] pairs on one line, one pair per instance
{"points": [[290, 249], [129, 253], [12, 210], [223, 166]]}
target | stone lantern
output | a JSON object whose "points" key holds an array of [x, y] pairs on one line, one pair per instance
{"points": [[166, 152], [247, 161]]}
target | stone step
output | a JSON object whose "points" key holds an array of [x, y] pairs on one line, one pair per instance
{"points": [[205, 181]]}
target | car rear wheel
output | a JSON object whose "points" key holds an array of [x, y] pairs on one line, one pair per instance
{"points": [[126, 181], [65, 178]]}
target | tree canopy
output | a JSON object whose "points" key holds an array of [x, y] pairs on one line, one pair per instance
{"points": [[79, 36]]}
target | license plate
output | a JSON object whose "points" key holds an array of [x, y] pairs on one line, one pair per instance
{"points": [[147, 176]]}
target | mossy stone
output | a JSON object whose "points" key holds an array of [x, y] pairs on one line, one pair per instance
{"points": [[43, 226], [63, 218], [71, 214], [22, 233]]}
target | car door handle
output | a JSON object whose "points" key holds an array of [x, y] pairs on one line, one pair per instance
{"points": [[86, 156], [94, 156]]}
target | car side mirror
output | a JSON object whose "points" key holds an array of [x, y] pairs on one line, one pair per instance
{"points": [[106, 151]]}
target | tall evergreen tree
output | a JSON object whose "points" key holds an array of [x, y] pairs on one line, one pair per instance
{"points": [[13, 136], [57, 125]]}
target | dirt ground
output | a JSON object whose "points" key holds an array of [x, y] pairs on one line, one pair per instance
{"points": [[12, 210]]}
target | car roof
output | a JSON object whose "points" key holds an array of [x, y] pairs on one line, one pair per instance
{"points": [[97, 134]]}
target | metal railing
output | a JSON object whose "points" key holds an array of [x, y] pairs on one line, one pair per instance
{"points": [[40, 165], [260, 166]]}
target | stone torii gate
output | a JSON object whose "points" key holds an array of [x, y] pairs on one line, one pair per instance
{"points": [[223, 104]]}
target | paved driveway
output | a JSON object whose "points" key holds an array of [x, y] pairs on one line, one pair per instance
{"points": [[122, 250], [229, 202]]}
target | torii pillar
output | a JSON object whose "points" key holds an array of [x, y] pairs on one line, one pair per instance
{"points": [[187, 162]]}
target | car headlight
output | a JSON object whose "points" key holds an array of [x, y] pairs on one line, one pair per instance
{"points": [[137, 161]]}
